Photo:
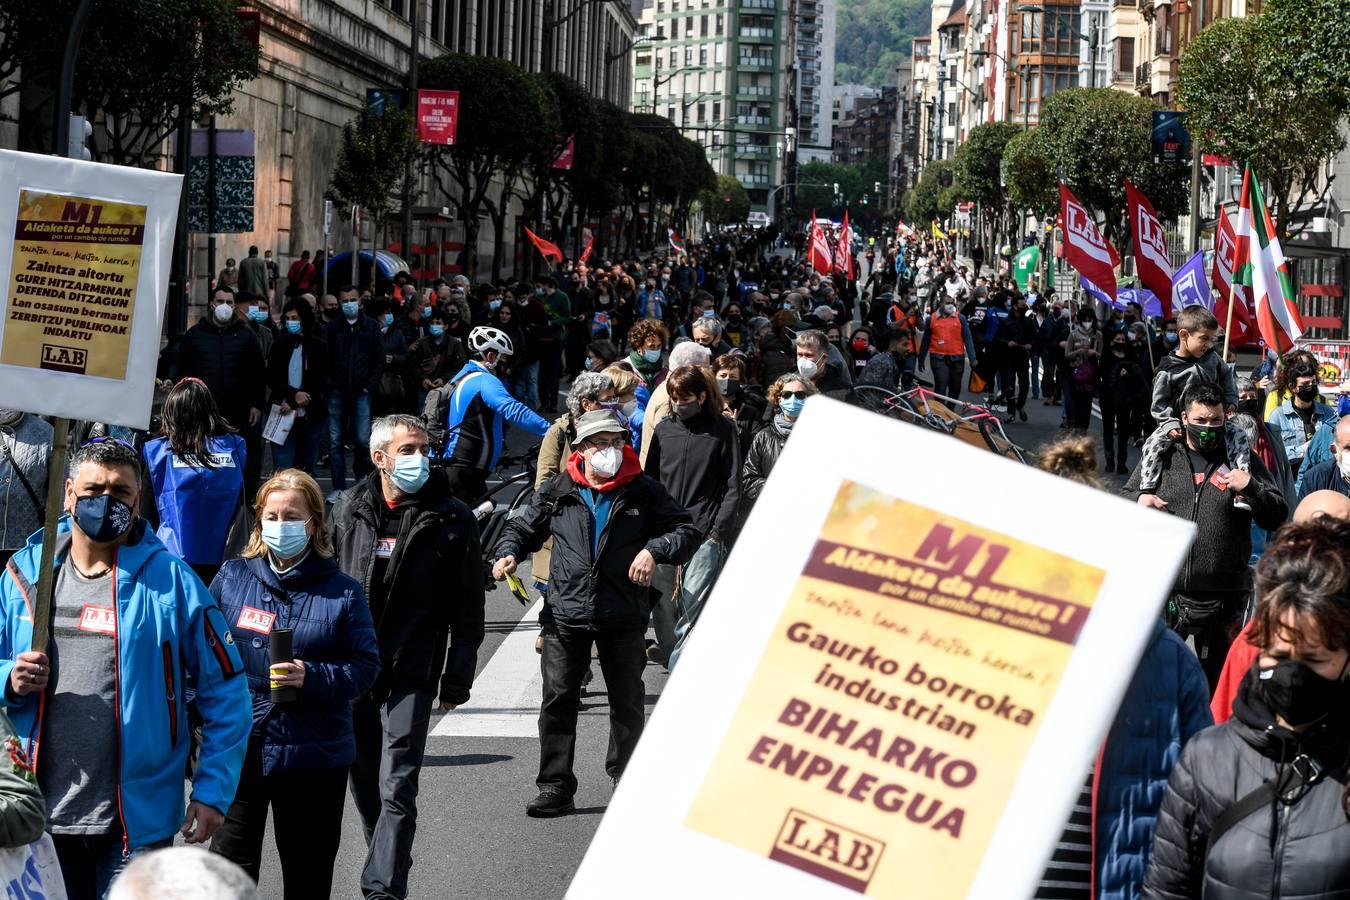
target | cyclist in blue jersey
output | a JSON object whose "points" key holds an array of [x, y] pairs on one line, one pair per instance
{"points": [[477, 406]]}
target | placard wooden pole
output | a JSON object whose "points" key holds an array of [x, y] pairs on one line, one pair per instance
{"points": [[56, 490]]}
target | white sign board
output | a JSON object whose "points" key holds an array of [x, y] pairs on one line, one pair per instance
{"points": [[900, 693], [83, 279]]}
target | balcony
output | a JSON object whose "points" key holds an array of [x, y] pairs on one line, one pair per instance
{"points": [[759, 4], [1143, 76], [753, 120], [755, 62], [753, 90], [749, 180], [753, 33], [753, 151]]}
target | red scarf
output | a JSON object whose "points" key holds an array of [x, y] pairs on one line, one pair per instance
{"points": [[1263, 448], [629, 469]]}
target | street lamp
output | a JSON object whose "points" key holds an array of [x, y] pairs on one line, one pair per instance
{"points": [[633, 45]]}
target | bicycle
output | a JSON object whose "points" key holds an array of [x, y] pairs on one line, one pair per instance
{"points": [[492, 511]]}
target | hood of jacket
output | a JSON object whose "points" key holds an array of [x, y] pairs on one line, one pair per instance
{"points": [[629, 469]]}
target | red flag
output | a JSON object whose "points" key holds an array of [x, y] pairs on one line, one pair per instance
{"points": [[818, 251], [588, 238], [1225, 253], [1150, 246], [844, 257], [547, 249], [1084, 247]]}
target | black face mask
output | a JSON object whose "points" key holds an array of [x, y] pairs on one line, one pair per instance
{"points": [[1306, 392], [1253, 408], [1205, 437], [1298, 694], [330, 312], [104, 518]]}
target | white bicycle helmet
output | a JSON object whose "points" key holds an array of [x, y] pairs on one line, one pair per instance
{"points": [[482, 339]]}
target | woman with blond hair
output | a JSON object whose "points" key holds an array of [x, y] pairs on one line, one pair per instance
{"points": [[297, 759]]}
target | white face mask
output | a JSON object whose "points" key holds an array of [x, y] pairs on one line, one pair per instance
{"points": [[223, 313], [1344, 465], [807, 367], [607, 461]]}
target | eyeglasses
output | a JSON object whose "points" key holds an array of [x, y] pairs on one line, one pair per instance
{"points": [[792, 395]]}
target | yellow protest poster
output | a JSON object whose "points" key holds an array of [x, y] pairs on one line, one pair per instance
{"points": [[907, 677], [73, 284], [84, 275], [899, 683]]}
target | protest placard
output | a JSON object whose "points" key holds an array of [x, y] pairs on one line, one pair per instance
{"points": [[900, 681], [85, 279]]}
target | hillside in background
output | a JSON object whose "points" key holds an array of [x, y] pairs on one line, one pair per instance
{"points": [[872, 37]]}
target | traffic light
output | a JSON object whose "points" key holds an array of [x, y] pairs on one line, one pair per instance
{"points": [[77, 146], [864, 199], [876, 187]]}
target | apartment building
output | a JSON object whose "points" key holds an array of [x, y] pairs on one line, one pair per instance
{"points": [[816, 22]]}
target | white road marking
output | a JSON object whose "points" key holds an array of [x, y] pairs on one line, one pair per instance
{"points": [[505, 701]]}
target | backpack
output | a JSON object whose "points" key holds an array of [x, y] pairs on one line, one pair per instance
{"points": [[436, 412]]}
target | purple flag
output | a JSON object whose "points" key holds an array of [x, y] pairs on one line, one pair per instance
{"points": [[1190, 285], [1145, 298]]}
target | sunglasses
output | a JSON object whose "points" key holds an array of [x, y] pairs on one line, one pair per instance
{"points": [[99, 439], [790, 395]]}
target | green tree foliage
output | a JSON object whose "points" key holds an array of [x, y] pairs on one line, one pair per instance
{"points": [[855, 180], [1256, 92], [1098, 137], [725, 204], [503, 113], [930, 200], [873, 37], [139, 64], [979, 161], [371, 159], [1030, 174]]}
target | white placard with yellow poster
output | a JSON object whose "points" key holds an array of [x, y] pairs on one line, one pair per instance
{"points": [[84, 278], [899, 682]]}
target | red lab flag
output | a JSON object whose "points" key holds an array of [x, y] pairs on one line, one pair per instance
{"points": [[1085, 248], [1260, 262], [818, 251], [547, 249], [1225, 254], [1150, 246], [588, 243], [844, 256]]}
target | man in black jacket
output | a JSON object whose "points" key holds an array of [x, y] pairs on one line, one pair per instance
{"points": [[222, 351], [356, 354], [414, 548], [1014, 339], [610, 525], [1211, 590]]}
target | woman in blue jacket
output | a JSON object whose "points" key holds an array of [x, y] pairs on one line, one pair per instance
{"points": [[300, 749], [196, 470]]}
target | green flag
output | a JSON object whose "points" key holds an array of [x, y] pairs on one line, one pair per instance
{"points": [[1026, 264]]}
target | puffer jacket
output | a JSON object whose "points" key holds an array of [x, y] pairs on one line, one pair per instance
{"points": [[591, 589], [1164, 707], [332, 634], [1176, 373], [1295, 850]]}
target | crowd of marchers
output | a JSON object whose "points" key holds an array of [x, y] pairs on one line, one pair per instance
{"points": [[217, 615]]}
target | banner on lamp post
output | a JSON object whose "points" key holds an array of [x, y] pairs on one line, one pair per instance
{"points": [[437, 117]]}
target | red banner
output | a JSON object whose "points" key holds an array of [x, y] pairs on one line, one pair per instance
{"points": [[547, 249], [567, 155], [1085, 248], [818, 252], [844, 257], [1150, 247], [437, 117]]}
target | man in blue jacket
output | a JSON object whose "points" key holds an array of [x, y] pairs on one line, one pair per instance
{"points": [[478, 404], [101, 711]]}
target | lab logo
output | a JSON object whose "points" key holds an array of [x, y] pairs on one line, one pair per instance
{"points": [[64, 359], [1152, 240], [1083, 232], [832, 852], [1187, 291]]}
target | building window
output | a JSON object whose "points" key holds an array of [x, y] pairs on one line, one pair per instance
{"points": [[1162, 27], [1030, 36], [702, 112], [674, 58], [717, 24], [1060, 24], [670, 113], [688, 56], [1125, 55], [703, 25]]}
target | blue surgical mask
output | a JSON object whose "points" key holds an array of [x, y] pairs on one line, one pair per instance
{"points": [[652, 356], [293, 326], [257, 315], [436, 330], [286, 540], [791, 406], [388, 319], [494, 305], [410, 473], [1172, 339], [350, 308], [590, 363]]}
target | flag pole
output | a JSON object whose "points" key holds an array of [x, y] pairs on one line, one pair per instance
{"points": [[1228, 319]]}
